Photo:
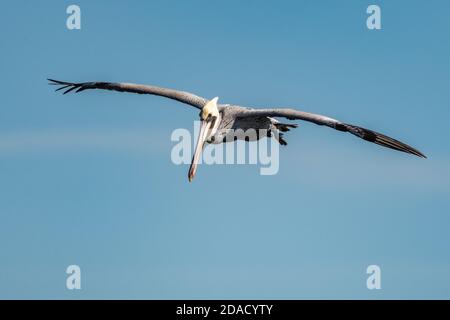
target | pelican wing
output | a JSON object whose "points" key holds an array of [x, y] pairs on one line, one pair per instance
{"points": [[362, 133], [181, 96]]}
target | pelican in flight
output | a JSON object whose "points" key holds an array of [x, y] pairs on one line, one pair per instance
{"points": [[218, 121]]}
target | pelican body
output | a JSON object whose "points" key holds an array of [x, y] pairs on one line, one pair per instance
{"points": [[220, 123]]}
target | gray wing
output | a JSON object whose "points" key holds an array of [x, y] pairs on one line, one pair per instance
{"points": [[362, 133], [181, 96]]}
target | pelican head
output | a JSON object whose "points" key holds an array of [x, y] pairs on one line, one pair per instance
{"points": [[209, 122]]}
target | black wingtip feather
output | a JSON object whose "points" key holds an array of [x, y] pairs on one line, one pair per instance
{"points": [[70, 89], [63, 87], [57, 82], [381, 140], [67, 86]]}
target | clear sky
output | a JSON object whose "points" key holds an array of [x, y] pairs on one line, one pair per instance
{"points": [[87, 179]]}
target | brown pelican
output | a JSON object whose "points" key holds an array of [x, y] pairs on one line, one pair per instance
{"points": [[219, 122]]}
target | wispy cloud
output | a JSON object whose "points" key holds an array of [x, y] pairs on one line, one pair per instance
{"points": [[319, 165], [81, 140], [361, 168]]}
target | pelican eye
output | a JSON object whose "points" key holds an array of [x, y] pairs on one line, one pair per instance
{"points": [[213, 121]]}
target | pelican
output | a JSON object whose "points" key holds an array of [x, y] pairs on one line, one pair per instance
{"points": [[218, 120]]}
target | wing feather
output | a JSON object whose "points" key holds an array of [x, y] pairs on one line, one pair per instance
{"points": [[318, 119], [181, 96]]}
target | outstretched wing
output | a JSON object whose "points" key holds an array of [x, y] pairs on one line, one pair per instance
{"points": [[362, 133], [181, 96]]}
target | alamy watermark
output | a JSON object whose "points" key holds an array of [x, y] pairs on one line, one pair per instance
{"points": [[73, 281], [373, 21], [73, 21], [374, 279], [250, 148]]}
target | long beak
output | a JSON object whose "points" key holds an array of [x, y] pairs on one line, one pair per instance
{"points": [[204, 127]]}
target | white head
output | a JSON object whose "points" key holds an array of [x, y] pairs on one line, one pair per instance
{"points": [[210, 109], [210, 120]]}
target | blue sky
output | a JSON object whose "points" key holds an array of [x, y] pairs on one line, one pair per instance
{"points": [[87, 179]]}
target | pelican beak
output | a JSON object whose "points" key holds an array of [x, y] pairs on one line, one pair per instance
{"points": [[204, 128]]}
